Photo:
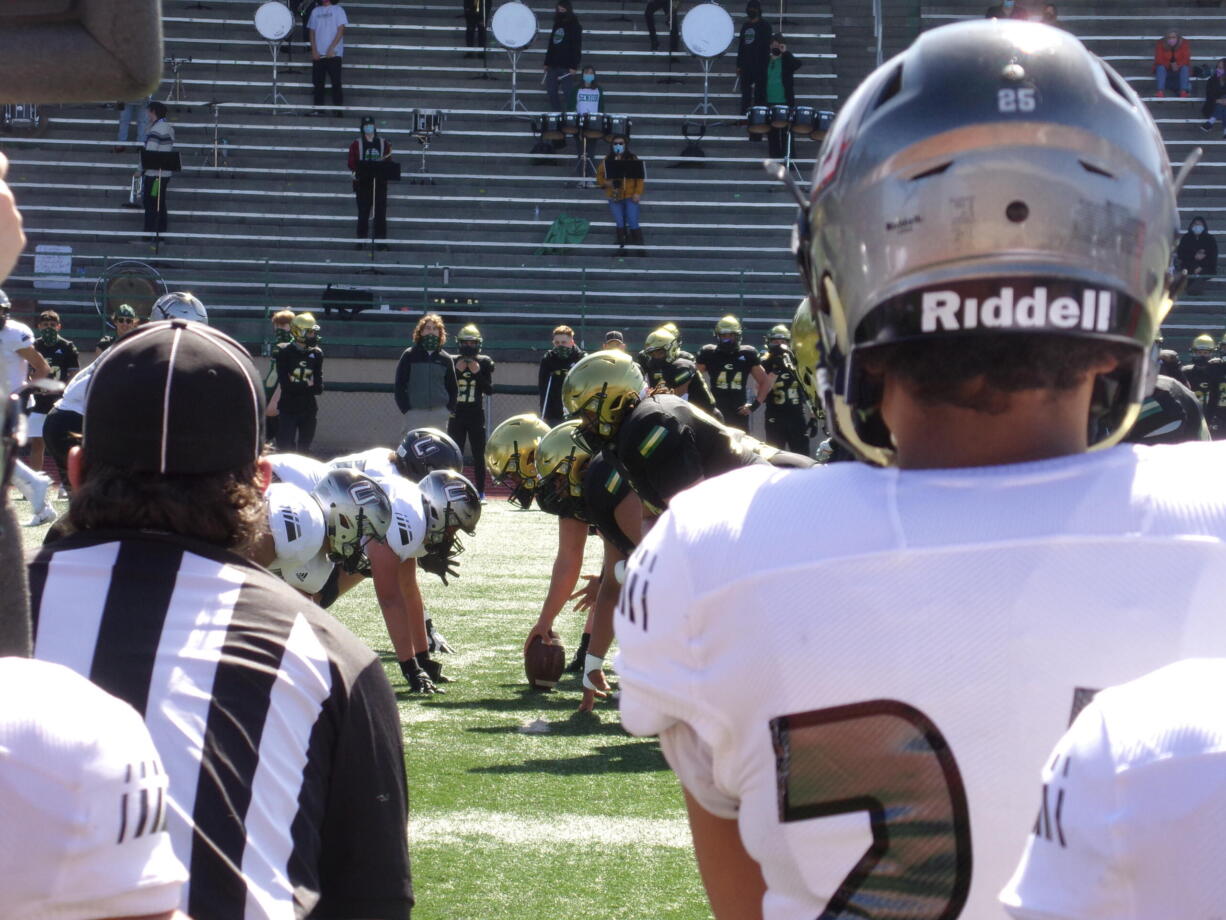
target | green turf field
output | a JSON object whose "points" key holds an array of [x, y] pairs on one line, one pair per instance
{"points": [[580, 821]]}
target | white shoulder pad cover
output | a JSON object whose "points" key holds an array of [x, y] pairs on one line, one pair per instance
{"points": [[303, 472], [296, 522], [408, 527]]}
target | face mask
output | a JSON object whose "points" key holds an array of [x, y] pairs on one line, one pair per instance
{"points": [[1172, 42], [310, 340], [369, 130], [775, 348], [775, 52], [1198, 229], [284, 335], [619, 148], [49, 335], [468, 351], [589, 78], [430, 342], [563, 351], [727, 345]]}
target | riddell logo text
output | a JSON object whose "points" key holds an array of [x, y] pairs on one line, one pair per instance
{"points": [[946, 311]]}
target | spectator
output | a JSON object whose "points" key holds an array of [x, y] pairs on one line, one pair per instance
{"points": [[62, 429], [425, 387], [282, 332], [561, 357], [1197, 254], [614, 341], [369, 147], [474, 381], [671, 19], [585, 97], [623, 193], [300, 380], [159, 138], [780, 90], [1006, 9], [474, 26], [1215, 87], [123, 320], [753, 57], [327, 28], [132, 112], [564, 52], [1172, 58], [63, 360], [1051, 17], [277, 727]]}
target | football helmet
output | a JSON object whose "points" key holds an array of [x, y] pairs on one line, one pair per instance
{"points": [[728, 332], [469, 341], [963, 190], [662, 338], [806, 350], [779, 333], [561, 460], [451, 504], [355, 509], [510, 455], [179, 305], [672, 327], [600, 390], [304, 328], [1203, 344], [422, 450]]}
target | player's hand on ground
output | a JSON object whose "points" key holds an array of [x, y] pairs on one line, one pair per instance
{"points": [[543, 630], [598, 691], [586, 596]]}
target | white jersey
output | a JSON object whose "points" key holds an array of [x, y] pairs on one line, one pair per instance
{"points": [[73, 398], [297, 470], [378, 463], [299, 536], [1132, 806], [14, 337], [835, 652], [408, 528]]}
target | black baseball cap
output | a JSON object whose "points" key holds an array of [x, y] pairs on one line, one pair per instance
{"points": [[174, 397], [614, 336]]}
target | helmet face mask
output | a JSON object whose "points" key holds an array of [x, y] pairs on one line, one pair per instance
{"points": [[510, 455], [356, 510], [993, 150], [304, 329], [451, 504], [468, 341], [600, 390], [728, 333], [562, 460]]}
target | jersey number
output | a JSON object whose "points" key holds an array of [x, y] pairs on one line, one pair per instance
{"points": [[1221, 395], [466, 391], [889, 759], [304, 374], [727, 380]]}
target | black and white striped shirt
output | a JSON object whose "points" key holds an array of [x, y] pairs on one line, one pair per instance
{"points": [[278, 728]]}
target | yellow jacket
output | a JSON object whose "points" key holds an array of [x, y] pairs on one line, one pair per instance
{"points": [[629, 187]]}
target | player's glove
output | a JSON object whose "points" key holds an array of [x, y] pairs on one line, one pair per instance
{"points": [[441, 565], [811, 428]]}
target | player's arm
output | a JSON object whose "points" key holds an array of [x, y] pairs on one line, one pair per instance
{"points": [[732, 877], [607, 592], [764, 380], [39, 368], [572, 538], [385, 571]]}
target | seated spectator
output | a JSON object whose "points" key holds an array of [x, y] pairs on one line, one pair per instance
{"points": [[1172, 59], [1006, 9], [1197, 254], [1214, 110]]}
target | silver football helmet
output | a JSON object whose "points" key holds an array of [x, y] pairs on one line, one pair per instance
{"points": [[355, 509], [451, 504], [424, 449], [996, 178], [179, 305]]}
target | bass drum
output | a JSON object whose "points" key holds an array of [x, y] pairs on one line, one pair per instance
{"points": [[758, 119], [273, 20], [514, 25], [707, 30]]}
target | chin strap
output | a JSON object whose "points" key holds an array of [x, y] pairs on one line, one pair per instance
{"points": [[591, 663]]}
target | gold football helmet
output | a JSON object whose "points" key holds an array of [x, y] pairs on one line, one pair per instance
{"points": [[469, 333], [806, 350], [781, 331], [560, 454], [600, 390], [729, 325], [1203, 343], [510, 455], [662, 338], [303, 326]]}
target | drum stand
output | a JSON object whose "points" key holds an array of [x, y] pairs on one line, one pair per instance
{"points": [[584, 160], [788, 162], [275, 97], [514, 104], [176, 88], [705, 107], [423, 177]]}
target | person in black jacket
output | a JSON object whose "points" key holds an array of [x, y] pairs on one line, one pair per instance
{"points": [[1197, 254], [1215, 87], [564, 52], [300, 379], [474, 381], [753, 57], [425, 386], [780, 90], [560, 358]]}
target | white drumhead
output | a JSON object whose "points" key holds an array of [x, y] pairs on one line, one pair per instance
{"points": [[514, 25], [273, 20], [707, 30]]}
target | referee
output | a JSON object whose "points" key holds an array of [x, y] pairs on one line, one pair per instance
{"points": [[278, 728]]}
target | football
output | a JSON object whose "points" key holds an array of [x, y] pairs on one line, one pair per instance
{"points": [[544, 662]]}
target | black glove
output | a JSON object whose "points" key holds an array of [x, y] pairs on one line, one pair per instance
{"points": [[440, 564], [811, 428]]}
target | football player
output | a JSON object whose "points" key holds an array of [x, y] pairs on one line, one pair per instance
{"points": [[786, 427], [1128, 816], [732, 367], [511, 456], [663, 366], [660, 443], [1171, 414], [1198, 373], [474, 374], [22, 361], [63, 361], [922, 631], [316, 538], [573, 483]]}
